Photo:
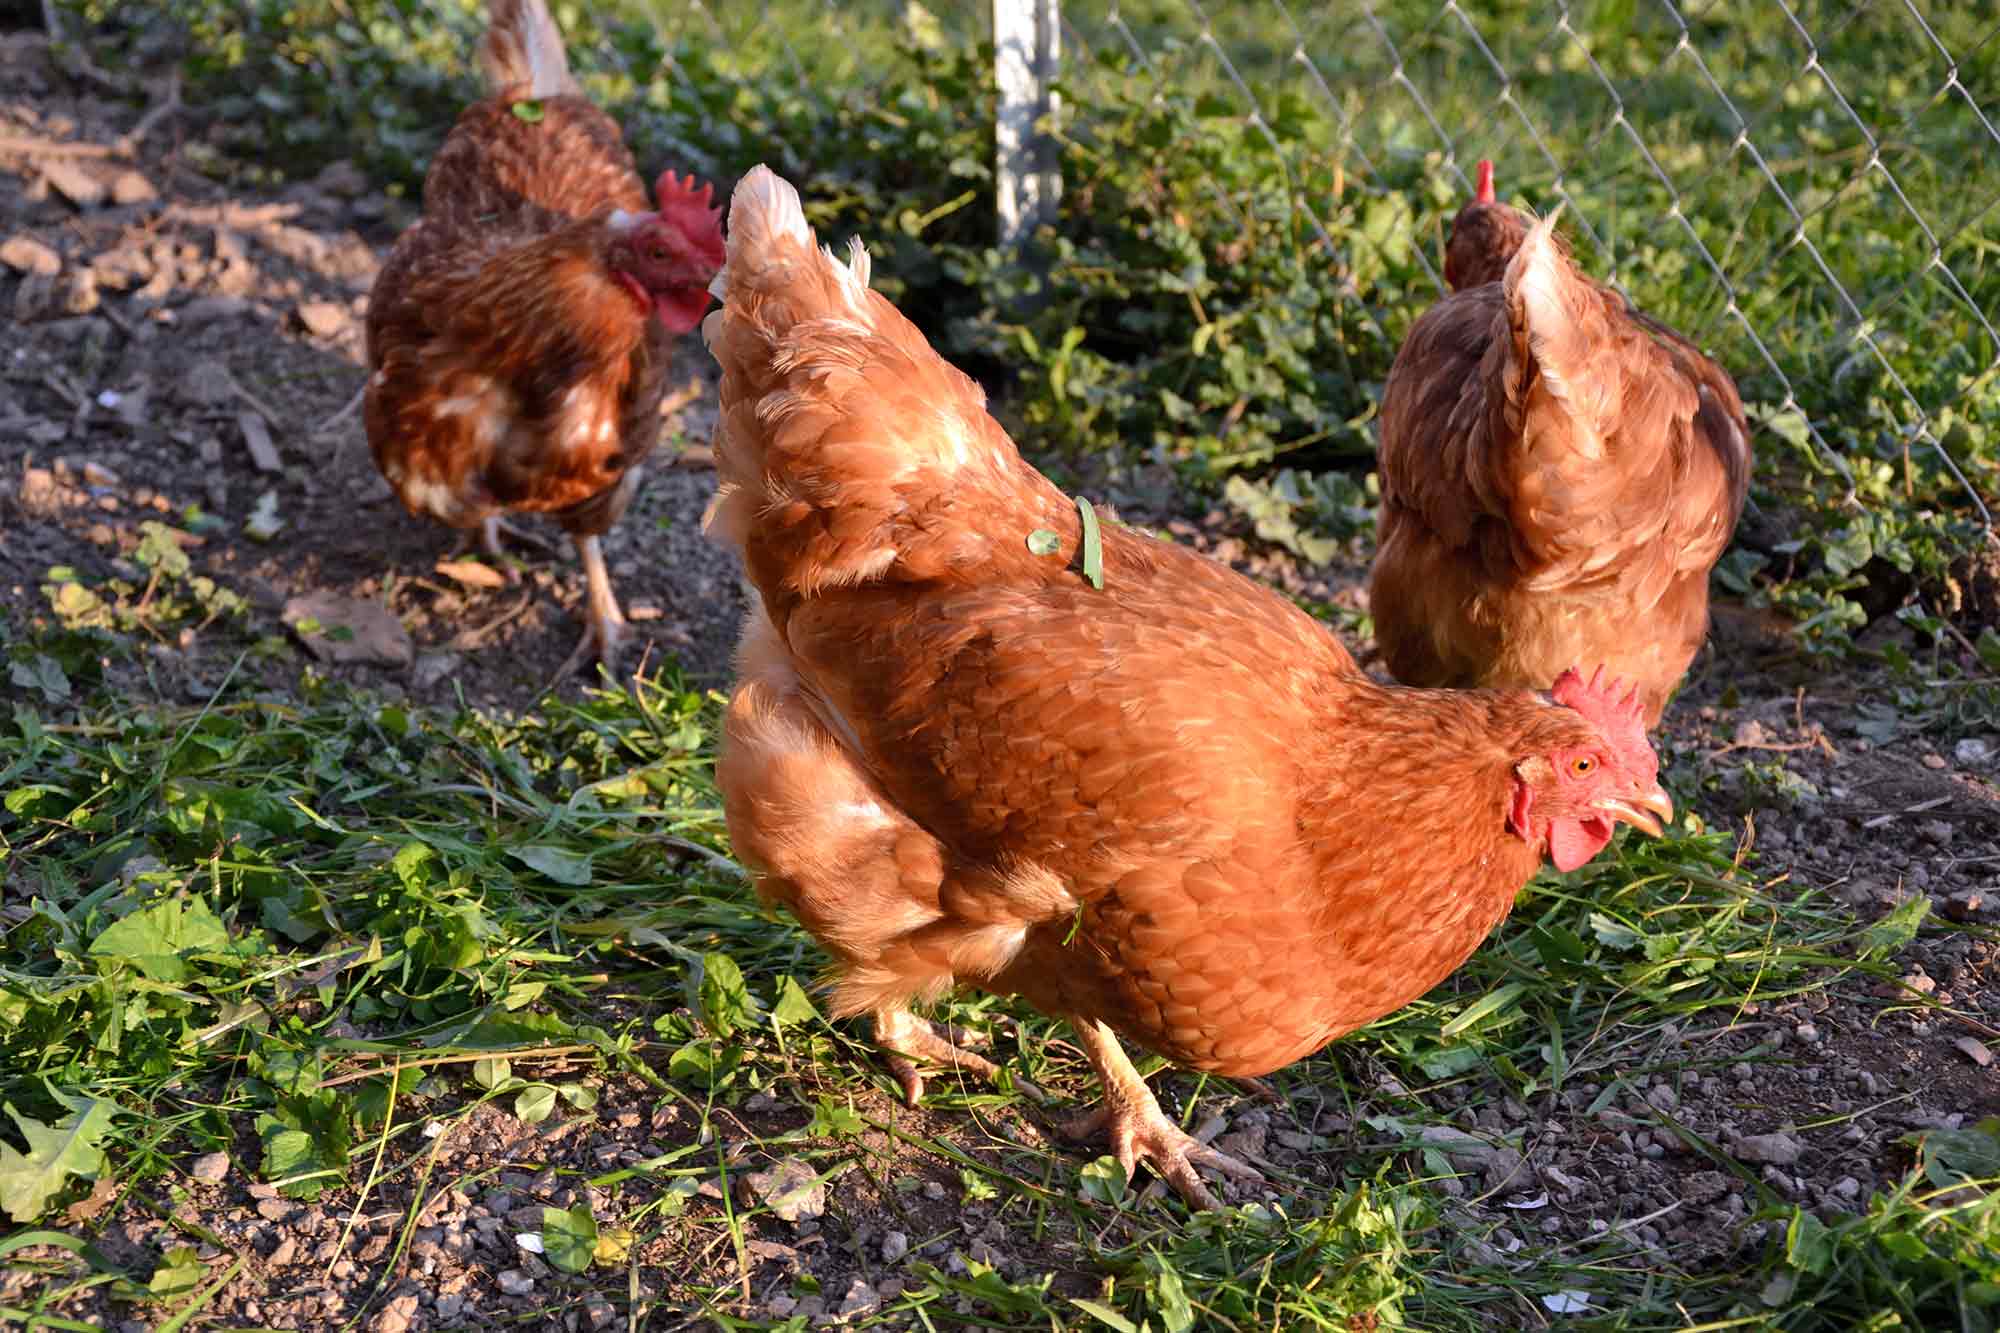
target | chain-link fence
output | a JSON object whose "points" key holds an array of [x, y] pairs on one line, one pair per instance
{"points": [[1812, 191], [1804, 189]]}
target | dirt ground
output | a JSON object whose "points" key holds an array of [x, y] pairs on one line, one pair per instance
{"points": [[179, 339]]}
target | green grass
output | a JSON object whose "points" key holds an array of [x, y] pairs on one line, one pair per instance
{"points": [[320, 924]]}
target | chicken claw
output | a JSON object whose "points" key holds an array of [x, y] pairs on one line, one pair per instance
{"points": [[1139, 1130], [905, 1040], [490, 531], [605, 632]]}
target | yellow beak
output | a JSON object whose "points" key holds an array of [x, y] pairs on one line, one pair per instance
{"points": [[1649, 812]]}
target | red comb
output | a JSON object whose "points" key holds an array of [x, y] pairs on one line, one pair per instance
{"points": [[1483, 186], [687, 204], [673, 189], [1601, 700]]}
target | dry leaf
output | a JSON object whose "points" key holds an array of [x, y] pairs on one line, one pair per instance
{"points": [[472, 573]]}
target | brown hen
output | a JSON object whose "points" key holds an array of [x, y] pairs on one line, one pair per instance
{"points": [[1559, 474], [520, 331], [1169, 808]]}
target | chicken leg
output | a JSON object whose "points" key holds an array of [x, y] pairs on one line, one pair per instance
{"points": [[906, 1040], [605, 632], [1139, 1129]]}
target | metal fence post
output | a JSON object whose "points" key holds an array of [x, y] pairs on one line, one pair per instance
{"points": [[1027, 47]]}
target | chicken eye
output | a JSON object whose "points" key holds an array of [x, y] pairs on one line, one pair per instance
{"points": [[1582, 766], [657, 253]]}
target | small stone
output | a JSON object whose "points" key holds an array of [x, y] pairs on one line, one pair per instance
{"points": [[1293, 1139], [934, 1191], [1662, 1097], [209, 309], [514, 1282], [781, 1306], [1974, 1050], [790, 1188], [276, 1210], [74, 184], [860, 1299], [397, 1315], [1964, 905], [347, 629], [599, 1312], [323, 319], [1847, 1187], [1935, 761], [450, 1304], [1972, 752], [431, 668], [895, 1244], [210, 1168], [25, 254], [1705, 1186], [287, 1251], [129, 187], [257, 439], [1772, 1149]]}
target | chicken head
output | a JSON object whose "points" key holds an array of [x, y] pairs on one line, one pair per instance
{"points": [[1484, 236], [1570, 799], [667, 258]]}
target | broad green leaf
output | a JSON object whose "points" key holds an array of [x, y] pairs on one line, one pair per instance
{"points": [[154, 939], [55, 1152], [569, 1237], [535, 1103], [492, 1072], [1953, 1156], [793, 1004], [564, 867], [1888, 935], [718, 994], [179, 1273], [1104, 1180], [1170, 1298]]}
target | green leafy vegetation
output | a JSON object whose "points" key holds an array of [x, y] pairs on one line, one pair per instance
{"points": [[1246, 234], [307, 929], [336, 921]]}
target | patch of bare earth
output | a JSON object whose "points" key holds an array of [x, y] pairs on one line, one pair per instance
{"points": [[179, 339]]}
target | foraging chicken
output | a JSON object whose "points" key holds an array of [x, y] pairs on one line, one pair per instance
{"points": [[982, 737], [520, 332], [1559, 474]]}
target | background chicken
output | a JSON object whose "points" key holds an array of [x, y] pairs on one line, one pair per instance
{"points": [[1559, 474], [1171, 807], [519, 332]]}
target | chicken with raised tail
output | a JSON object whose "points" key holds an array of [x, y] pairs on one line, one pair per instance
{"points": [[1559, 474], [521, 330], [982, 737]]}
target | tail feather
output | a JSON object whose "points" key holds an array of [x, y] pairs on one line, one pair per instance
{"points": [[523, 46], [840, 427], [1560, 336]]}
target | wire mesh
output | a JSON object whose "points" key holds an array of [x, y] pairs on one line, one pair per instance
{"points": [[1806, 188]]}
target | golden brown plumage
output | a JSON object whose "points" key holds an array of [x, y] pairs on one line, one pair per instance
{"points": [[1171, 808], [1559, 474], [519, 332]]}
